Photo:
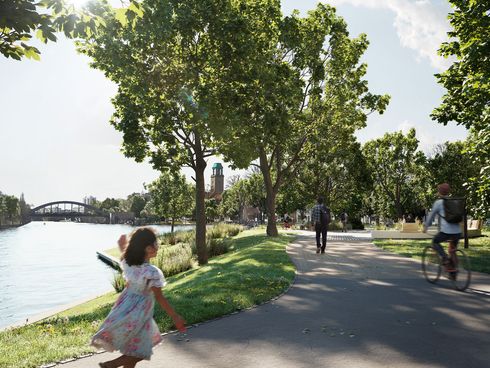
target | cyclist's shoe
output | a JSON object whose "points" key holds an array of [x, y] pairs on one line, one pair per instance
{"points": [[452, 275]]}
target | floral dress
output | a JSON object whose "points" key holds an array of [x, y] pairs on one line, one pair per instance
{"points": [[130, 327]]}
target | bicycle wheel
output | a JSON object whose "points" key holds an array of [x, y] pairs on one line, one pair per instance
{"points": [[462, 279], [431, 264]]}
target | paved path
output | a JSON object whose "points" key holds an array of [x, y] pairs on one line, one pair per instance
{"points": [[355, 306]]}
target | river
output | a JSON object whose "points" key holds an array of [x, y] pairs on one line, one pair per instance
{"points": [[45, 265]]}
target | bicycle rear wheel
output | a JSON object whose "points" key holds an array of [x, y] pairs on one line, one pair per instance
{"points": [[431, 264], [462, 279]]}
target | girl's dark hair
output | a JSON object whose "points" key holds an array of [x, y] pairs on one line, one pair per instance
{"points": [[135, 253]]}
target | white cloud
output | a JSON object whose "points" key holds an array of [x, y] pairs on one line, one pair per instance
{"points": [[427, 141], [420, 26]]}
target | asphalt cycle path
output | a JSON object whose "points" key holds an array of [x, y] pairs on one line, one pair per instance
{"points": [[355, 306]]}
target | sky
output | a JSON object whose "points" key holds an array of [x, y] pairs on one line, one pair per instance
{"points": [[56, 142]]}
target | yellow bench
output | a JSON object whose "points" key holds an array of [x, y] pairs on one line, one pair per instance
{"points": [[410, 227]]}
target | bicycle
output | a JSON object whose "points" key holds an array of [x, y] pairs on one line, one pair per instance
{"points": [[457, 269]]}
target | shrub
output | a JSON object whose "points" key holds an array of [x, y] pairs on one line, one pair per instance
{"points": [[357, 224], [335, 225], [118, 282], [217, 246], [174, 259], [223, 230]]}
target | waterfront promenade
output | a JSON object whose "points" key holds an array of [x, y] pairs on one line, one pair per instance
{"points": [[356, 306]]}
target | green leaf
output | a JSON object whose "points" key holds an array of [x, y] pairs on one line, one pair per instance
{"points": [[120, 15]]}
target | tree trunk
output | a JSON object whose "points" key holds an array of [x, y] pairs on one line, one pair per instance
{"points": [[202, 254], [270, 200], [173, 225]]}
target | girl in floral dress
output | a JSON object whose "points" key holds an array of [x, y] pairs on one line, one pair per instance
{"points": [[130, 327]]}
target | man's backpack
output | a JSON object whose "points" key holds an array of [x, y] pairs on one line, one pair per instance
{"points": [[324, 215], [454, 209]]}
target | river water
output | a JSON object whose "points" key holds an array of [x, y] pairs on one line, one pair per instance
{"points": [[47, 265]]}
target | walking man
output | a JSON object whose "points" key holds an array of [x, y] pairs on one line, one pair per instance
{"points": [[320, 217]]}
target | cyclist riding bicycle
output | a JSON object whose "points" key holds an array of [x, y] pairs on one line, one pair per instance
{"points": [[449, 231]]}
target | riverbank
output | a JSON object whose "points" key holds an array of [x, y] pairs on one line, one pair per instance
{"points": [[5, 227], [255, 270]]}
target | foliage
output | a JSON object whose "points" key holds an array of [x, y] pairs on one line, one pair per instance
{"points": [[118, 282], [212, 210], [235, 198], [111, 204], [217, 246], [137, 203], [401, 181], [467, 98], [174, 68], [171, 196], [451, 163], [174, 259], [12, 209], [20, 18], [306, 75]]}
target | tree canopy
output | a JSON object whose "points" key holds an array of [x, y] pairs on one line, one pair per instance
{"points": [[401, 181], [467, 98], [20, 18], [308, 77]]}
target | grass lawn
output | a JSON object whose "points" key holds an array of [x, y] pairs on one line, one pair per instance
{"points": [[478, 251], [255, 270]]}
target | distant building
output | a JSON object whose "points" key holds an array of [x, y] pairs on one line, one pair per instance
{"points": [[89, 200], [217, 183]]}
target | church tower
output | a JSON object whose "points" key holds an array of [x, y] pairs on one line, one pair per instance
{"points": [[217, 180]]}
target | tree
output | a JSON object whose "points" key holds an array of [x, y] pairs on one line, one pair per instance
{"points": [[401, 181], [212, 210], [19, 18], [449, 164], [235, 198], [304, 74], [337, 171], [467, 98], [111, 204], [3, 208], [137, 203], [12, 208], [172, 67], [171, 196]]}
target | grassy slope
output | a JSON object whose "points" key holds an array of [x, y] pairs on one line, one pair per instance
{"points": [[478, 251], [255, 270]]}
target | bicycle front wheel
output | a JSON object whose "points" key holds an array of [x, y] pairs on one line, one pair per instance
{"points": [[431, 264], [461, 280]]}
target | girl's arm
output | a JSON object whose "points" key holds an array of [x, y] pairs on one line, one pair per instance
{"points": [[122, 242], [178, 320]]}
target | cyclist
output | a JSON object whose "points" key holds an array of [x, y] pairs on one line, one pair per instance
{"points": [[448, 232]]}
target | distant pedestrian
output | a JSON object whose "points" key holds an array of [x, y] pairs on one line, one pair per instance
{"points": [[130, 327], [344, 219], [320, 218]]}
